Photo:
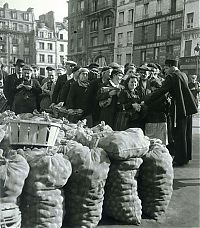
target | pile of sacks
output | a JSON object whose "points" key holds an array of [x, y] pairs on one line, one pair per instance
{"points": [[156, 180], [14, 170], [84, 191], [42, 201], [125, 149]]}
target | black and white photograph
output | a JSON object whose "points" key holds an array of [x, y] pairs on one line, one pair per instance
{"points": [[99, 113]]}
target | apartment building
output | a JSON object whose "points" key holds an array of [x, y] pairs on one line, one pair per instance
{"points": [[51, 42], [16, 36], [124, 31], [91, 31], [190, 43], [157, 30]]}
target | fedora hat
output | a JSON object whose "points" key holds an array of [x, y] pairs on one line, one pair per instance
{"points": [[19, 62]]}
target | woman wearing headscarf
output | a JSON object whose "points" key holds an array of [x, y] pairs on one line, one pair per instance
{"points": [[78, 94]]}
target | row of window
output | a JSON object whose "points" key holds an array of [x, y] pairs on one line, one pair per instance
{"points": [[15, 15], [15, 26], [49, 35], [50, 46], [122, 17], [128, 58], [129, 38], [94, 5], [93, 42], [50, 59]]}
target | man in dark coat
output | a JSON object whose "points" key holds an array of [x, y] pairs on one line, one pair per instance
{"points": [[11, 82], [61, 81], [183, 106]]}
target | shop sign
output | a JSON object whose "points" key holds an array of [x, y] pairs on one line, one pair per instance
{"points": [[158, 44], [191, 35], [188, 60], [158, 20]]}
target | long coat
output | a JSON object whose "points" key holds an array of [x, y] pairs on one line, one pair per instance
{"points": [[107, 114], [56, 97], [9, 88], [183, 106]]}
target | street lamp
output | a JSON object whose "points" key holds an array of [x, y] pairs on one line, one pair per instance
{"points": [[196, 52]]}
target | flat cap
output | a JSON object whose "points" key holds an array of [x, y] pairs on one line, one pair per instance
{"points": [[114, 65], [144, 68], [49, 68], [75, 68], [27, 67], [70, 62], [93, 65]]}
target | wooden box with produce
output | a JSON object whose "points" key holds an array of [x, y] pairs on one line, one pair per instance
{"points": [[34, 133]]}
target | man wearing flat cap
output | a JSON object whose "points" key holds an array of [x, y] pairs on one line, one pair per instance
{"points": [[12, 81], [183, 106]]}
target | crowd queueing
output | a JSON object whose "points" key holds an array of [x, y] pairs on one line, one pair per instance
{"points": [[158, 100]]}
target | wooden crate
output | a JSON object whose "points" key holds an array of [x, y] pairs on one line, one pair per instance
{"points": [[33, 133]]}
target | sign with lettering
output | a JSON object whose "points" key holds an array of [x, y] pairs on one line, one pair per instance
{"points": [[158, 44], [188, 35], [188, 60], [158, 20]]}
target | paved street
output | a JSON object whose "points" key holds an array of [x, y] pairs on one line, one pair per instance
{"points": [[184, 208]]}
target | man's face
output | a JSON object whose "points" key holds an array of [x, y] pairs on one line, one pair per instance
{"points": [[166, 69], [68, 69], [18, 69], [144, 74], [60, 72], [193, 78], [51, 75]]}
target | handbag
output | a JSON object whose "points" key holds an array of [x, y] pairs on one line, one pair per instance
{"points": [[122, 120]]}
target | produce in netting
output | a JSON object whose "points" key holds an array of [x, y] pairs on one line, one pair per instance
{"points": [[49, 170], [42, 199], [122, 145], [156, 180], [14, 170], [121, 197], [10, 215], [43, 209], [84, 191]]}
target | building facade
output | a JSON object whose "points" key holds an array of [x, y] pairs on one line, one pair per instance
{"points": [[91, 25], [157, 30], [16, 36], [51, 42], [190, 50], [124, 31]]}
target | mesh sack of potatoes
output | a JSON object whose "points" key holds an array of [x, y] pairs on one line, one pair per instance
{"points": [[156, 181], [122, 145], [43, 209], [14, 170], [48, 169], [121, 197], [84, 191]]}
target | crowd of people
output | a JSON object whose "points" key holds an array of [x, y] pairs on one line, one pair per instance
{"points": [[158, 100]]}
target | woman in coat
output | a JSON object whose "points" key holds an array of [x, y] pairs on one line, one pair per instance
{"points": [[129, 103], [77, 98], [107, 97]]}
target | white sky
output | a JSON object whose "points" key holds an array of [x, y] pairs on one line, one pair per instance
{"points": [[40, 7]]}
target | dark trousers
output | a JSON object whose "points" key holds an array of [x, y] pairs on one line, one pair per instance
{"points": [[183, 140]]}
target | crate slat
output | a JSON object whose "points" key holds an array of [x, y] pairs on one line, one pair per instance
{"points": [[23, 133]]}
